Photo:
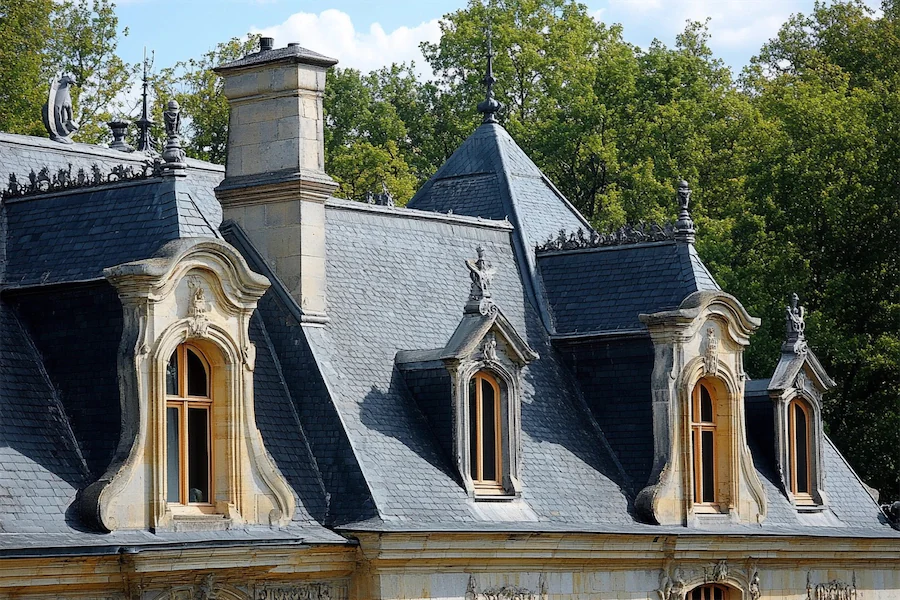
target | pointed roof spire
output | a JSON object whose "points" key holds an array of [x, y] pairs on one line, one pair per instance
{"points": [[490, 105], [144, 143], [684, 226]]}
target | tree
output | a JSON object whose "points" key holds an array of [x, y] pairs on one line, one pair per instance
{"points": [[83, 42], [198, 90], [24, 25]]}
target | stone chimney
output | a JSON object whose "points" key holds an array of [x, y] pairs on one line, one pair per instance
{"points": [[275, 182]]}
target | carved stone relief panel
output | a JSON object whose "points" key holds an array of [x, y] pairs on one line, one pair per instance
{"points": [[506, 592], [303, 591], [831, 590]]}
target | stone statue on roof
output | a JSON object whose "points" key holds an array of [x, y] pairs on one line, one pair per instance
{"points": [[59, 117]]}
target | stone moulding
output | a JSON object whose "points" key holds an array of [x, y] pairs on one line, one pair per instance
{"points": [[199, 290], [703, 338]]}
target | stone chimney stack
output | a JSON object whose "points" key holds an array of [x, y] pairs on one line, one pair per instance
{"points": [[275, 182]]}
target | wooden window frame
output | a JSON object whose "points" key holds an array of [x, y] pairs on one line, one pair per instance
{"points": [[710, 588], [800, 497], [487, 486], [183, 402], [697, 429]]}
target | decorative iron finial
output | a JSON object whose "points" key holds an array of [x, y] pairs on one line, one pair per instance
{"points": [[482, 275], [684, 226], [119, 129], [59, 117], [490, 105], [795, 327], [144, 143], [173, 155]]}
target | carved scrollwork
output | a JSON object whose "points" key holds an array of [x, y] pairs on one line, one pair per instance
{"points": [[831, 590], [198, 321], [506, 592], [482, 274], [306, 591], [44, 181]]}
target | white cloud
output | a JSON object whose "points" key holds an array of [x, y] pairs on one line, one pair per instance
{"points": [[333, 33]]}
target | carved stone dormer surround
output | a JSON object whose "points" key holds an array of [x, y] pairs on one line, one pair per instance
{"points": [[199, 291], [484, 340], [703, 339], [799, 376]]}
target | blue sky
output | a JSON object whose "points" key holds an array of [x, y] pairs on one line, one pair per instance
{"points": [[367, 34]]}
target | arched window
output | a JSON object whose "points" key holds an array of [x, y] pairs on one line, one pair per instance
{"points": [[709, 592], [485, 454], [188, 432], [799, 447], [703, 443]]}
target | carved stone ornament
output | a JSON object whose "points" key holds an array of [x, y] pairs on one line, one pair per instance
{"points": [[306, 591], [174, 154], [482, 274], [832, 590], [711, 354], [198, 321], [489, 349], [753, 588], [59, 117], [506, 592], [795, 327], [720, 572], [800, 380], [628, 234], [671, 587], [684, 226]]}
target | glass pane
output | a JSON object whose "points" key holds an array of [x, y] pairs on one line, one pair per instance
{"points": [[172, 375], [717, 593], [706, 412], [709, 465], [489, 431], [802, 445], [196, 375], [198, 455], [473, 430], [173, 453], [697, 476]]}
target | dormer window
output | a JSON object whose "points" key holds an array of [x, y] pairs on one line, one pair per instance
{"points": [[799, 442], [703, 444], [485, 432], [188, 431]]}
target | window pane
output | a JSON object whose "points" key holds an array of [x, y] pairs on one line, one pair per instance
{"points": [[718, 593], [801, 450], [198, 455], [697, 476], [172, 375], [489, 432], [706, 411], [196, 375], [709, 465], [173, 452], [473, 430]]}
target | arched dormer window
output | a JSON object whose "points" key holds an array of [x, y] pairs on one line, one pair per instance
{"points": [[709, 592], [799, 428], [703, 444], [189, 403], [485, 432]]}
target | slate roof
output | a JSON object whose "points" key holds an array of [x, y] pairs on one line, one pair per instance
{"points": [[605, 289], [490, 176]]}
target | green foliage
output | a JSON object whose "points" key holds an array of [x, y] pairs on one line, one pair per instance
{"points": [[83, 42], [24, 25], [198, 90]]}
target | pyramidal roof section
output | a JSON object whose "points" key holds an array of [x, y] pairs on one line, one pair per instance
{"points": [[490, 176]]}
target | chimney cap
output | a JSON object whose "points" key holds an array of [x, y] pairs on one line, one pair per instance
{"points": [[293, 53], [266, 44], [293, 44]]}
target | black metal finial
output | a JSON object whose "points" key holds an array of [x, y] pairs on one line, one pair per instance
{"points": [[684, 226], [144, 143], [490, 105]]}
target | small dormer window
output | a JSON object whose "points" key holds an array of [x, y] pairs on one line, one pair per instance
{"points": [[703, 444], [485, 433], [188, 432], [799, 443]]}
